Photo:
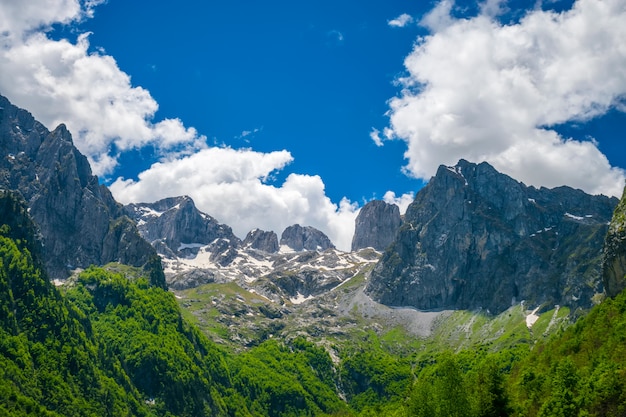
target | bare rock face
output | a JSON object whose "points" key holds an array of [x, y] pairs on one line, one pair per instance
{"points": [[262, 240], [476, 238], [175, 227], [301, 238], [376, 225], [80, 222], [614, 262], [197, 250]]}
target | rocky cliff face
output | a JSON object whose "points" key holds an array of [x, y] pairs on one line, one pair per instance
{"points": [[376, 225], [80, 222], [614, 262], [301, 238], [262, 240], [475, 238], [176, 228], [197, 250]]}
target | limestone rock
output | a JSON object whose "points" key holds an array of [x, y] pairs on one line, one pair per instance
{"points": [[475, 238], [76, 216], [376, 225], [176, 227], [301, 238], [262, 240], [614, 262]]}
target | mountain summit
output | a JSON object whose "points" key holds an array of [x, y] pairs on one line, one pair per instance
{"points": [[299, 238], [376, 225], [176, 228], [475, 238], [79, 220]]}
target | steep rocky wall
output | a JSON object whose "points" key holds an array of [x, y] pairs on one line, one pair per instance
{"points": [[475, 238], [614, 262], [301, 238], [79, 220], [376, 225]]}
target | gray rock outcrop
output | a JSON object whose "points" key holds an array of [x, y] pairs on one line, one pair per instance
{"points": [[376, 225], [261, 240], [175, 227], [614, 262], [79, 220], [475, 238], [301, 238]]}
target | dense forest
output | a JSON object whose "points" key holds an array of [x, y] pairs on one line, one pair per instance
{"points": [[116, 344]]}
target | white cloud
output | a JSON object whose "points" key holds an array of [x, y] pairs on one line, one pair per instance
{"points": [[401, 21], [63, 82], [402, 202], [247, 134], [375, 136], [439, 17], [493, 8], [480, 90], [230, 185], [18, 17]]}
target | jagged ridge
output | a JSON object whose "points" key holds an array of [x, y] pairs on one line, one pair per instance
{"points": [[476, 238], [80, 222], [376, 225]]}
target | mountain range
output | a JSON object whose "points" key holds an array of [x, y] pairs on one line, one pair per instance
{"points": [[157, 309], [475, 238], [472, 239]]}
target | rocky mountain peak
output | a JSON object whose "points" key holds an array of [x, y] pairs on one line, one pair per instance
{"points": [[177, 228], [376, 225], [63, 133], [300, 238], [476, 238], [262, 240], [80, 222], [197, 250]]}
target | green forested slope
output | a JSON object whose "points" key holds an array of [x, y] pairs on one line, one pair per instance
{"points": [[113, 344], [581, 371], [50, 364]]}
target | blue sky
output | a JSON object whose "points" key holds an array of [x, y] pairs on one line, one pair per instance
{"points": [[309, 77], [275, 113]]}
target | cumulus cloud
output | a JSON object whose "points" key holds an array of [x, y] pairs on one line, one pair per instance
{"points": [[63, 82], [493, 8], [480, 90], [18, 17], [231, 185], [401, 21], [439, 17]]}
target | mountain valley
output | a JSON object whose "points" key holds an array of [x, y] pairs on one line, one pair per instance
{"points": [[487, 297]]}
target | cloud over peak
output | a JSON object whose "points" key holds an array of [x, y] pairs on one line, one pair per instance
{"points": [[61, 81], [231, 185], [481, 90], [64, 81]]}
